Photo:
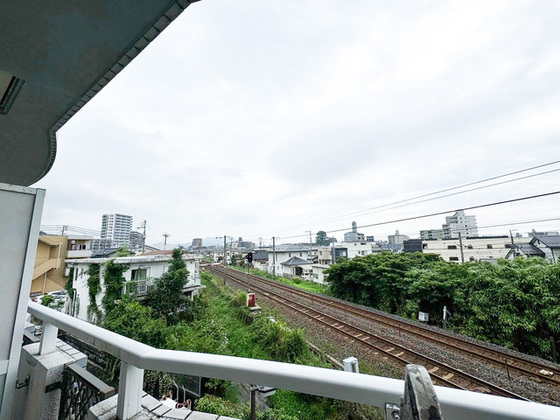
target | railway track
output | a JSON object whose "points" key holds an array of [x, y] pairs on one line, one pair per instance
{"points": [[510, 362], [441, 372]]}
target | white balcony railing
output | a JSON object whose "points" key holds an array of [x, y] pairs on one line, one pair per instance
{"points": [[360, 388]]}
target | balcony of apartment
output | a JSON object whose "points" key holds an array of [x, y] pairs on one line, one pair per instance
{"points": [[141, 287], [78, 253], [52, 381]]}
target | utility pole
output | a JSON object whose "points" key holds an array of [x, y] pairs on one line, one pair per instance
{"points": [[512, 243], [143, 225], [224, 260], [310, 242], [461, 246], [165, 236], [274, 257]]}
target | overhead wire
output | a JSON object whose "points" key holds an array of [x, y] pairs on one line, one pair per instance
{"points": [[383, 206], [439, 213]]}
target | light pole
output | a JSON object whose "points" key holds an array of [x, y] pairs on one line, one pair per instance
{"points": [[224, 259]]}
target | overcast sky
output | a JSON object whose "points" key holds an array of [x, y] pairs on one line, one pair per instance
{"points": [[270, 118]]}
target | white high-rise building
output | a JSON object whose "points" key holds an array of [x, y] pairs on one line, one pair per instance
{"points": [[116, 227], [460, 222]]}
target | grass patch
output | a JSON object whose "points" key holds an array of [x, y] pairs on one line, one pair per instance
{"points": [[257, 337], [307, 285]]}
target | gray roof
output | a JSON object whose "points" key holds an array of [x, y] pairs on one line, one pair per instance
{"points": [[260, 255], [529, 249], [294, 261], [549, 241], [294, 248]]}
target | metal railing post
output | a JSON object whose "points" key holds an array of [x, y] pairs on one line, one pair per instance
{"points": [[48, 339], [130, 391]]}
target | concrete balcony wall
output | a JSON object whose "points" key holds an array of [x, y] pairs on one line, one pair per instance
{"points": [[83, 253], [32, 402]]}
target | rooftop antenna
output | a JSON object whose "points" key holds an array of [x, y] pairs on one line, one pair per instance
{"points": [[165, 236]]}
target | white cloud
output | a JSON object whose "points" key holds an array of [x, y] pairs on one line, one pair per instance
{"points": [[252, 117]]}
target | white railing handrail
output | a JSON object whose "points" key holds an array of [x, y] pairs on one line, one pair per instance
{"points": [[360, 388]]}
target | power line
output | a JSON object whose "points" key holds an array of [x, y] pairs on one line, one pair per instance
{"points": [[371, 209], [405, 219], [478, 188]]}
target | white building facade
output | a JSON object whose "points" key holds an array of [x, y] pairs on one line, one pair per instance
{"points": [[460, 223], [117, 228], [482, 248], [285, 252], [140, 275]]}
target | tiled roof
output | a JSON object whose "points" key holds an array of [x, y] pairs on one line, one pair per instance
{"points": [[296, 261], [549, 241], [293, 248], [529, 249]]}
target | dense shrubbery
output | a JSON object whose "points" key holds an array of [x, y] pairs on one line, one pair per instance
{"points": [[221, 324], [513, 303], [167, 297]]}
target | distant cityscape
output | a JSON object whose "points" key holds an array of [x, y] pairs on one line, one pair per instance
{"points": [[457, 240]]}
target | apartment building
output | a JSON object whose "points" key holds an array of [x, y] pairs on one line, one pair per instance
{"points": [[116, 228]]}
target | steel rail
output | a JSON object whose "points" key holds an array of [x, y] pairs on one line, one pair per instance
{"points": [[495, 356], [363, 336]]}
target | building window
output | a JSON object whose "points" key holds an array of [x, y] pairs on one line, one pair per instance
{"points": [[489, 246], [453, 258], [139, 274], [424, 246], [451, 246], [469, 247]]}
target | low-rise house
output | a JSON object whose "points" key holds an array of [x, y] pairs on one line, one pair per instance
{"points": [[296, 267], [318, 275], [524, 250], [284, 252], [360, 249], [549, 245], [260, 260], [140, 276]]}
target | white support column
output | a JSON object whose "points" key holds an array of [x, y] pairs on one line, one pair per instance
{"points": [[20, 213], [48, 339], [130, 391]]}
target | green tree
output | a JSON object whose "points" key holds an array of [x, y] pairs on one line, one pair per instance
{"points": [[123, 251], [321, 238], [167, 298]]}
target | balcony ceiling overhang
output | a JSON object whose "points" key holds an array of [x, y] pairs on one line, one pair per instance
{"points": [[61, 54]]}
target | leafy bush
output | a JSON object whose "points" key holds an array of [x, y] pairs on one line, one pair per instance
{"points": [[47, 300], [221, 407], [512, 303]]}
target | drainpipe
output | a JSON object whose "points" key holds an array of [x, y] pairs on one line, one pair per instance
{"points": [[58, 257]]}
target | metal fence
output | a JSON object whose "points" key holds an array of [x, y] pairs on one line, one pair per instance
{"points": [[80, 391]]}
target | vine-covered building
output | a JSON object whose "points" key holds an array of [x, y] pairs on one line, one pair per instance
{"points": [[139, 278]]}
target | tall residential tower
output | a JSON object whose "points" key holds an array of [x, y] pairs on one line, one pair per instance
{"points": [[116, 227]]}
